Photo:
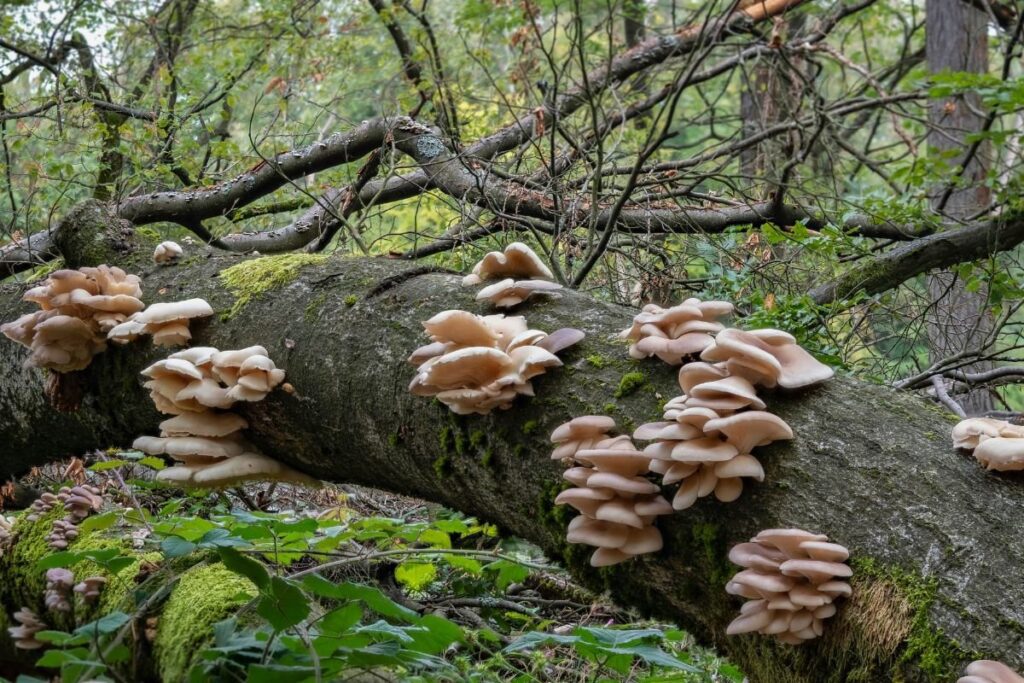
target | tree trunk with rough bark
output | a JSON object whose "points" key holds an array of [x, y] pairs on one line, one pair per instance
{"points": [[935, 541], [960, 320]]}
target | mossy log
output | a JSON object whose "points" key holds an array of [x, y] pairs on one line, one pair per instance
{"points": [[935, 539]]}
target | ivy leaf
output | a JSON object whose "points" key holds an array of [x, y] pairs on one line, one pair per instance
{"points": [[282, 604]]}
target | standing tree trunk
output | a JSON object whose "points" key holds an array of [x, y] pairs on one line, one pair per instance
{"points": [[935, 541], [959, 320]]}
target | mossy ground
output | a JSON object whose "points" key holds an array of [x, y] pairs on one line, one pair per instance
{"points": [[251, 279], [204, 595]]}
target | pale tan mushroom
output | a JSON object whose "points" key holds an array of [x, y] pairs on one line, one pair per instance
{"points": [[768, 356], [675, 333], [249, 373], [168, 323], [24, 634], [509, 292], [967, 434], [989, 671], [791, 579], [516, 261], [1002, 454], [167, 252], [582, 432]]}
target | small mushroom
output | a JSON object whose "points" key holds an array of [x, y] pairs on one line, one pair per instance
{"points": [[771, 357], [967, 434], [516, 261], [675, 333], [167, 252], [90, 589], [28, 626], [168, 322], [580, 433], [509, 292], [1002, 454], [59, 583]]}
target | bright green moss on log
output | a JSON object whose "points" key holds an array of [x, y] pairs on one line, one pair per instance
{"points": [[203, 596], [251, 279]]}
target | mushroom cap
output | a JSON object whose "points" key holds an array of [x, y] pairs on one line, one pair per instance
{"points": [[704, 450], [815, 571], [751, 428], [510, 292], [166, 252], [204, 392], [208, 424], [596, 532], [234, 358], [605, 557], [584, 426], [1003, 454], [734, 391], [561, 339], [699, 372], [175, 310], [743, 465], [584, 498], [472, 366], [622, 484], [763, 582], [517, 260], [247, 467], [666, 431], [642, 541], [461, 328], [620, 511], [756, 556], [787, 540], [651, 505], [767, 351], [126, 332], [191, 447], [628, 463], [989, 671]]}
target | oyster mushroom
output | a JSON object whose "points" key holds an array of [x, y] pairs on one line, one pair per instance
{"points": [[167, 252], [516, 261]]}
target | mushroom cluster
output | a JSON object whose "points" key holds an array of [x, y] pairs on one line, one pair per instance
{"points": [[79, 502], [791, 579], [675, 333], [59, 584], [90, 588], [998, 445], [475, 364], [24, 634], [167, 253], [166, 322], [516, 261], [617, 505], [198, 386], [706, 436], [988, 671], [77, 309]]}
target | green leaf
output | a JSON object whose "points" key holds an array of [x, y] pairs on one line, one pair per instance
{"points": [[435, 538], [246, 566], [64, 558], [98, 522], [176, 546], [415, 575], [282, 604], [466, 564], [106, 624], [507, 573], [107, 465], [153, 463], [278, 673], [342, 619], [368, 595]]}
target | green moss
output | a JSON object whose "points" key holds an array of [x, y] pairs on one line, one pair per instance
{"points": [[597, 361], [313, 307], [149, 232], [393, 439], [610, 407], [443, 465], [40, 272], [250, 279], [530, 426], [630, 383], [117, 592], [444, 439], [203, 596], [710, 547], [927, 648], [351, 300], [487, 457]]}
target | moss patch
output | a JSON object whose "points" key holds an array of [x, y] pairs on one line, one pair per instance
{"points": [[630, 383], [250, 279], [204, 595]]}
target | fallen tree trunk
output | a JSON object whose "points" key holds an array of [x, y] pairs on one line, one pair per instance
{"points": [[935, 540]]}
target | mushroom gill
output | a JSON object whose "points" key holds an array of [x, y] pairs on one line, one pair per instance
{"points": [[167, 322], [791, 580], [475, 364]]}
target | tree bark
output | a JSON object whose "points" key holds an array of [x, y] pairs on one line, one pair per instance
{"points": [[935, 540], [960, 320]]}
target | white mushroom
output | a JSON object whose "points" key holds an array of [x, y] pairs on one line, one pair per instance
{"points": [[167, 252]]}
